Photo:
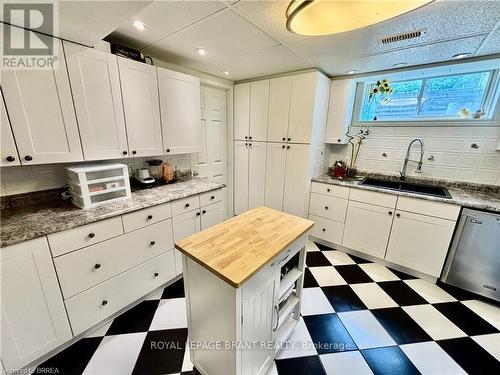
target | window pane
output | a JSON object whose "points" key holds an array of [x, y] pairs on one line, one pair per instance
{"points": [[445, 96]]}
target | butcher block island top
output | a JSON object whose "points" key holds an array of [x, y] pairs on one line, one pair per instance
{"points": [[237, 248]]}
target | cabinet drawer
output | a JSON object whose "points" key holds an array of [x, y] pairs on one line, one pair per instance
{"points": [[148, 216], [87, 267], [373, 197], [332, 208], [327, 230], [186, 204], [424, 207], [96, 304], [69, 240], [332, 190], [211, 197]]}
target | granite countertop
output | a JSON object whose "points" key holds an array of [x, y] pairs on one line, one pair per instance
{"points": [[482, 197], [24, 223]]}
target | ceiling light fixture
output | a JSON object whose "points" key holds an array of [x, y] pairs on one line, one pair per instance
{"points": [[399, 65], [461, 55], [351, 71], [322, 17], [138, 25], [201, 51], [226, 72]]}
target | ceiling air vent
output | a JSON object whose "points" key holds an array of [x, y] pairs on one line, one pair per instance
{"points": [[401, 37]]}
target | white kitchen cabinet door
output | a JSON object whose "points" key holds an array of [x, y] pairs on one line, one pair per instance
{"points": [[256, 174], [296, 191], [275, 175], [180, 112], [367, 228], [33, 319], [259, 320], [42, 115], [420, 242], [142, 107], [95, 84], [241, 151], [8, 151], [340, 109], [184, 225], [211, 215], [241, 111], [259, 108], [279, 108], [302, 99]]}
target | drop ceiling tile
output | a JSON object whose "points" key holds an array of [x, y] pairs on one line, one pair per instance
{"points": [[491, 44], [225, 35], [163, 18]]}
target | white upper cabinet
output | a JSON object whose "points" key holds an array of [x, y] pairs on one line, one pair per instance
{"points": [[340, 109], [275, 175], [259, 105], [302, 100], [95, 84], [42, 115], [241, 111], [180, 112], [142, 108], [8, 151], [279, 108]]}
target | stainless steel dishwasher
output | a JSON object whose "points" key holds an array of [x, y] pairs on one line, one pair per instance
{"points": [[473, 262]]}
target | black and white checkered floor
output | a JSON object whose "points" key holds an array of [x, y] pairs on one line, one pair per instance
{"points": [[372, 320]]}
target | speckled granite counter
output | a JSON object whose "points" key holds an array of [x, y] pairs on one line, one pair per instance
{"points": [[466, 195], [28, 222]]}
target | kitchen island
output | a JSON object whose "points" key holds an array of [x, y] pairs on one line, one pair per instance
{"points": [[243, 281]]}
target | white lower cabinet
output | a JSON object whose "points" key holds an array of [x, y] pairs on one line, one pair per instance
{"points": [[33, 319], [275, 175], [328, 230], [211, 215], [296, 190]]}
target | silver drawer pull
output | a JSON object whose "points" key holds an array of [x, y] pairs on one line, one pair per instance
{"points": [[277, 318], [282, 260]]}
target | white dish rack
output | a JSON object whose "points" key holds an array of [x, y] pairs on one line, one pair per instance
{"points": [[92, 185]]}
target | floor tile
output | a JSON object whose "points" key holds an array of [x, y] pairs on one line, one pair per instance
{"points": [[343, 298], [72, 360], [175, 290], [137, 319], [345, 363], [187, 365], [101, 331], [162, 352], [490, 343], [470, 356], [402, 328], [365, 330], [316, 259], [116, 354], [402, 275], [315, 302], [299, 344], [323, 247], [378, 272], [359, 260], [487, 311], [430, 358], [353, 274], [303, 366], [429, 291], [309, 280], [311, 246], [329, 334], [327, 276], [373, 296], [401, 293], [389, 361], [171, 313], [433, 322], [465, 319], [338, 258]]}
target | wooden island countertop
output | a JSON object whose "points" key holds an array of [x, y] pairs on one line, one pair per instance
{"points": [[237, 248]]}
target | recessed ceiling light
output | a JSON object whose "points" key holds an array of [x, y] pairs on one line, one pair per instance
{"points": [[461, 55], [351, 71], [398, 65], [226, 72], [138, 25], [201, 51]]}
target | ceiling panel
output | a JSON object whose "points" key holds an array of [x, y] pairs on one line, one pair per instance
{"points": [[491, 44]]}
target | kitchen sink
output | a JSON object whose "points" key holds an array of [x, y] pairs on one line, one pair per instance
{"points": [[433, 190]]}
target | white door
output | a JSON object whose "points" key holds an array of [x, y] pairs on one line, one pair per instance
{"points": [[95, 84], [259, 107], [42, 115], [184, 225], [367, 228], [180, 112], [33, 318], [240, 161], [259, 320], [296, 191], [420, 242], [301, 107], [256, 174], [241, 111], [211, 162], [279, 108], [275, 175], [142, 107], [211, 215], [8, 151]]}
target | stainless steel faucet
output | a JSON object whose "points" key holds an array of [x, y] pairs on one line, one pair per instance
{"points": [[402, 172]]}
